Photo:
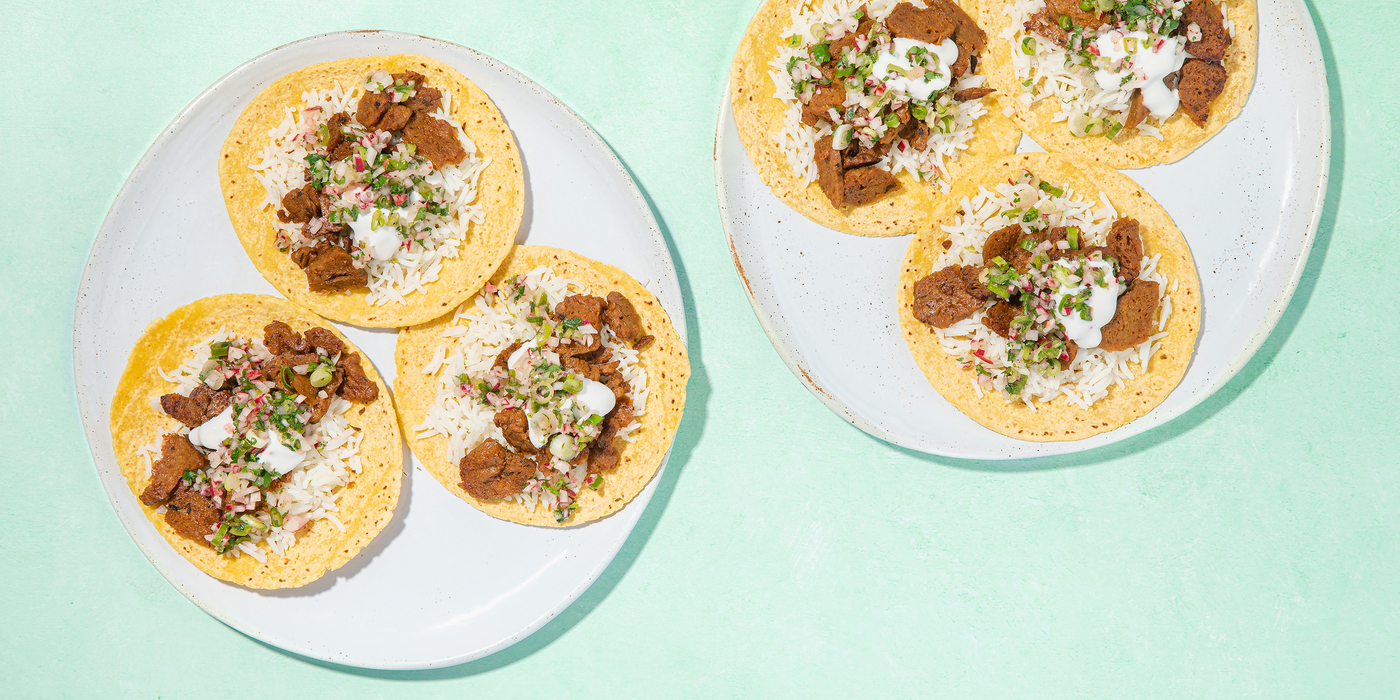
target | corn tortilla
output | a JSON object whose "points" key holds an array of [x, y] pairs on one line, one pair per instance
{"points": [[366, 503], [759, 114], [1059, 419], [1131, 149], [665, 362], [500, 191]]}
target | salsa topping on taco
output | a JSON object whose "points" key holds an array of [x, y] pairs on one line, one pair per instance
{"points": [[265, 445], [877, 89], [540, 387], [1120, 64], [1040, 294], [372, 187]]}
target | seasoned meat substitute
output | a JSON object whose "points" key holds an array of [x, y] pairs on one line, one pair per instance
{"points": [[336, 124], [504, 356], [395, 118], [999, 317], [425, 101], [324, 339], [356, 386], [1201, 83], [279, 338], [202, 404], [581, 367], [972, 93], [300, 205], [1137, 110], [621, 317], [829, 176], [587, 308], [603, 455], [435, 140], [866, 185], [516, 429], [930, 25], [949, 295], [1000, 244], [371, 108], [823, 100], [1125, 244], [967, 34], [1132, 322], [491, 471], [333, 270], [177, 456], [1215, 39], [191, 515]]}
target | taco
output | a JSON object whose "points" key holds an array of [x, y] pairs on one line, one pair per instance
{"points": [[379, 191], [1127, 83], [259, 442], [551, 397], [1056, 300], [861, 116]]}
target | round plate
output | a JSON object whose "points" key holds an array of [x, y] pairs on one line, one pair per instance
{"points": [[443, 583], [1248, 202]]}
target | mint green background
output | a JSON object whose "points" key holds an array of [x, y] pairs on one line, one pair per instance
{"points": [[1247, 549]]}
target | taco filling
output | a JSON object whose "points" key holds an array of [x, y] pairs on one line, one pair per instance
{"points": [[1115, 65], [266, 446], [539, 386], [875, 90], [373, 187], [1040, 294]]}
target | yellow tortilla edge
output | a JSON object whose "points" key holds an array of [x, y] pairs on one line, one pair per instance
{"points": [[500, 191], [1131, 149], [1060, 420], [665, 361], [366, 503], [759, 115]]}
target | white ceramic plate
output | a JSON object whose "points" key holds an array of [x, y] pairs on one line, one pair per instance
{"points": [[1248, 202], [443, 583]]}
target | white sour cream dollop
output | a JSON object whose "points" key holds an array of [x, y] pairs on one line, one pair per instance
{"points": [[937, 75], [1103, 303], [383, 242], [1149, 65], [595, 397], [278, 457], [213, 431]]}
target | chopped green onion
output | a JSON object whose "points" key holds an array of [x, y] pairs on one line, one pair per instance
{"points": [[1072, 233], [1051, 189], [795, 40], [1028, 46], [1065, 22], [219, 350], [322, 376]]}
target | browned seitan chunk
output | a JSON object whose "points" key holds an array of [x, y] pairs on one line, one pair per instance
{"points": [[490, 471], [949, 295], [177, 456], [1215, 39], [1132, 321], [1201, 82]]}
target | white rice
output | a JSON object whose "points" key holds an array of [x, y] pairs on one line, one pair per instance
{"points": [[798, 141], [1093, 371], [280, 170], [480, 330], [311, 489]]}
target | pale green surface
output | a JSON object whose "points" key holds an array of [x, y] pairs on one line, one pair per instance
{"points": [[1248, 548]]}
